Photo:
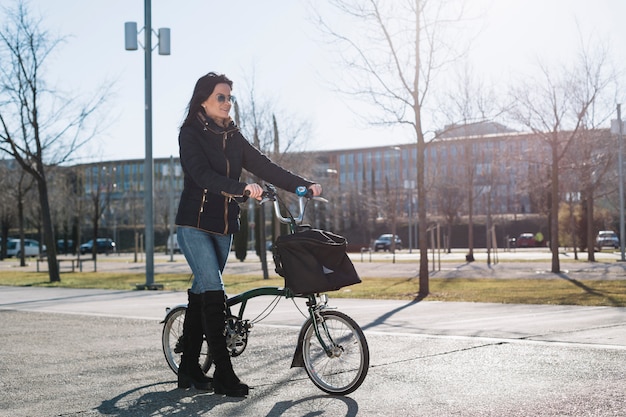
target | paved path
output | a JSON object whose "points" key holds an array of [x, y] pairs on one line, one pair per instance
{"points": [[85, 353], [548, 323], [522, 263]]}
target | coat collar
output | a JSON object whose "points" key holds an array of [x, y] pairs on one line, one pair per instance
{"points": [[208, 124]]}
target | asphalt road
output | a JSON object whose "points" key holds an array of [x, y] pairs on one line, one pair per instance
{"points": [[90, 353]]}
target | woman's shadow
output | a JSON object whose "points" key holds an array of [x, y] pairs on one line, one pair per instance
{"points": [[154, 400]]}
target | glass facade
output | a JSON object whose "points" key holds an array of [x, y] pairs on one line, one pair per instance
{"points": [[497, 167]]}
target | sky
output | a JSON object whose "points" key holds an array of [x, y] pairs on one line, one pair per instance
{"points": [[275, 43]]}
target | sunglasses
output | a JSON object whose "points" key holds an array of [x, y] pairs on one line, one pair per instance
{"points": [[221, 98]]}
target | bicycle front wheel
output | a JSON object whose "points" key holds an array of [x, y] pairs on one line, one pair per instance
{"points": [[337, 361], [172, 341]]}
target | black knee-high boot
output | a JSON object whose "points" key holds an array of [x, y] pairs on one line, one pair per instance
{"points": [[189, 371], [224, 379]]}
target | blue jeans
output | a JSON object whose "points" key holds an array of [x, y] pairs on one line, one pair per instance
{"points": [[206, 254]]}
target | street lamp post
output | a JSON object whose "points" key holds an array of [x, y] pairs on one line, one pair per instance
{"points": [[130, 29], [170, 239]]}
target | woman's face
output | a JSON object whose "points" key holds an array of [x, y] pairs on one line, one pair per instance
{"points": [[218, 105]]}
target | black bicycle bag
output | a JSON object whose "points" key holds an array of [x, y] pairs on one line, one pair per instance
{"points": [[314, 261]]}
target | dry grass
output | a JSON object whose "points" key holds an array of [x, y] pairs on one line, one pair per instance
{"points": [[515, 291]]}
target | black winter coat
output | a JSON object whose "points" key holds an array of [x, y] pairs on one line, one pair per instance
{"points": [[212, 158]]}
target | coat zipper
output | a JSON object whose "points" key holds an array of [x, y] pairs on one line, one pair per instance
{"points": [[226, 199], [202, 205], [205, 191]]}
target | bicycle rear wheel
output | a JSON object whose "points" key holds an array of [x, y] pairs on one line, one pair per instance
{"points": [[172, 342], [341, 368]]}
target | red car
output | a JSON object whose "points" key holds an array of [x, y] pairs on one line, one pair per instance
{"points": [[526, 240]]}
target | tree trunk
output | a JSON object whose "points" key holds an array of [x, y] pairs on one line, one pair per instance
{"points": [[470, 224], [591, 244], [424, 285], [240, 239], [20, 223], [554, 211], [48, 229]]}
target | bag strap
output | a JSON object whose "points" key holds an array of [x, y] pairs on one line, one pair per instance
{"points": [[278, 266]]}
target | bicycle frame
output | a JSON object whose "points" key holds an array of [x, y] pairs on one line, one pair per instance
{"points": [[312, 304], [326, 339], [257, 292]]}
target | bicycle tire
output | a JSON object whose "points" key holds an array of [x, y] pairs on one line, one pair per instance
{"points": [[172, 331], [345, 369]]}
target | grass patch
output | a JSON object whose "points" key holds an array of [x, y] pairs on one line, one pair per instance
{"points": [[510, 291]]}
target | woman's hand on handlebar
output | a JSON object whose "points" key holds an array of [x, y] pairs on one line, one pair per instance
{"points": [[316, 189], [254, 191]]}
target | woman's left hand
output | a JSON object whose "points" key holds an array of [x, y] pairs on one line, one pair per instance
{"points": [[254, 191], [316, 189]]}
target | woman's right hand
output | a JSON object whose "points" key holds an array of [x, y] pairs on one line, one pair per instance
{"points": [[254, 191]]}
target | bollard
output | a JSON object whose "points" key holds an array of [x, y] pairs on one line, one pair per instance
{"points": [[364, 249]]}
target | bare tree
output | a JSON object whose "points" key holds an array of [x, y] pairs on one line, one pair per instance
{"points": [[449, 198], [101, 185], [555, 106], [8, 208], [468, 102], [280, 138], [62, 206], [393, 51], [589, 161], [18, 187], [38, 126]]}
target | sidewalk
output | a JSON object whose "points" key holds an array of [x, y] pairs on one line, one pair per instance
{"points": [[598, 326], [520, 264]]}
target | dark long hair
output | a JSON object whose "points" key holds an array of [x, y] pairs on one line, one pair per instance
{"points": [[203, 89]]}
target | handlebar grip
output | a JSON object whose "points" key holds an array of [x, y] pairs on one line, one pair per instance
{"points": [[301, 191]]}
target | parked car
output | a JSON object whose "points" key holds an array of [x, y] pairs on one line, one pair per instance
{"points": [[526, 240], [607, 238], [65, 246], [103, 245], [384, 243], [31, 248], [172, 243]]}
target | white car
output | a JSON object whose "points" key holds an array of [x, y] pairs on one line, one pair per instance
{"points": [[607, 238], [31, 248]]}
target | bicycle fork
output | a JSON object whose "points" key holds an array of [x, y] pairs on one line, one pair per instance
{"points": [[331, 348]]}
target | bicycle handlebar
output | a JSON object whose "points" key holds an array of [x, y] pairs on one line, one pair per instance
{"points": [[303, 193]]}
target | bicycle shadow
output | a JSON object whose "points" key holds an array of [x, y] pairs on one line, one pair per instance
{"points": [[320, 403], [152, 400]]}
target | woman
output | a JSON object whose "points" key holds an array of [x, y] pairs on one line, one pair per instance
{"points": [[212, 154]]}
